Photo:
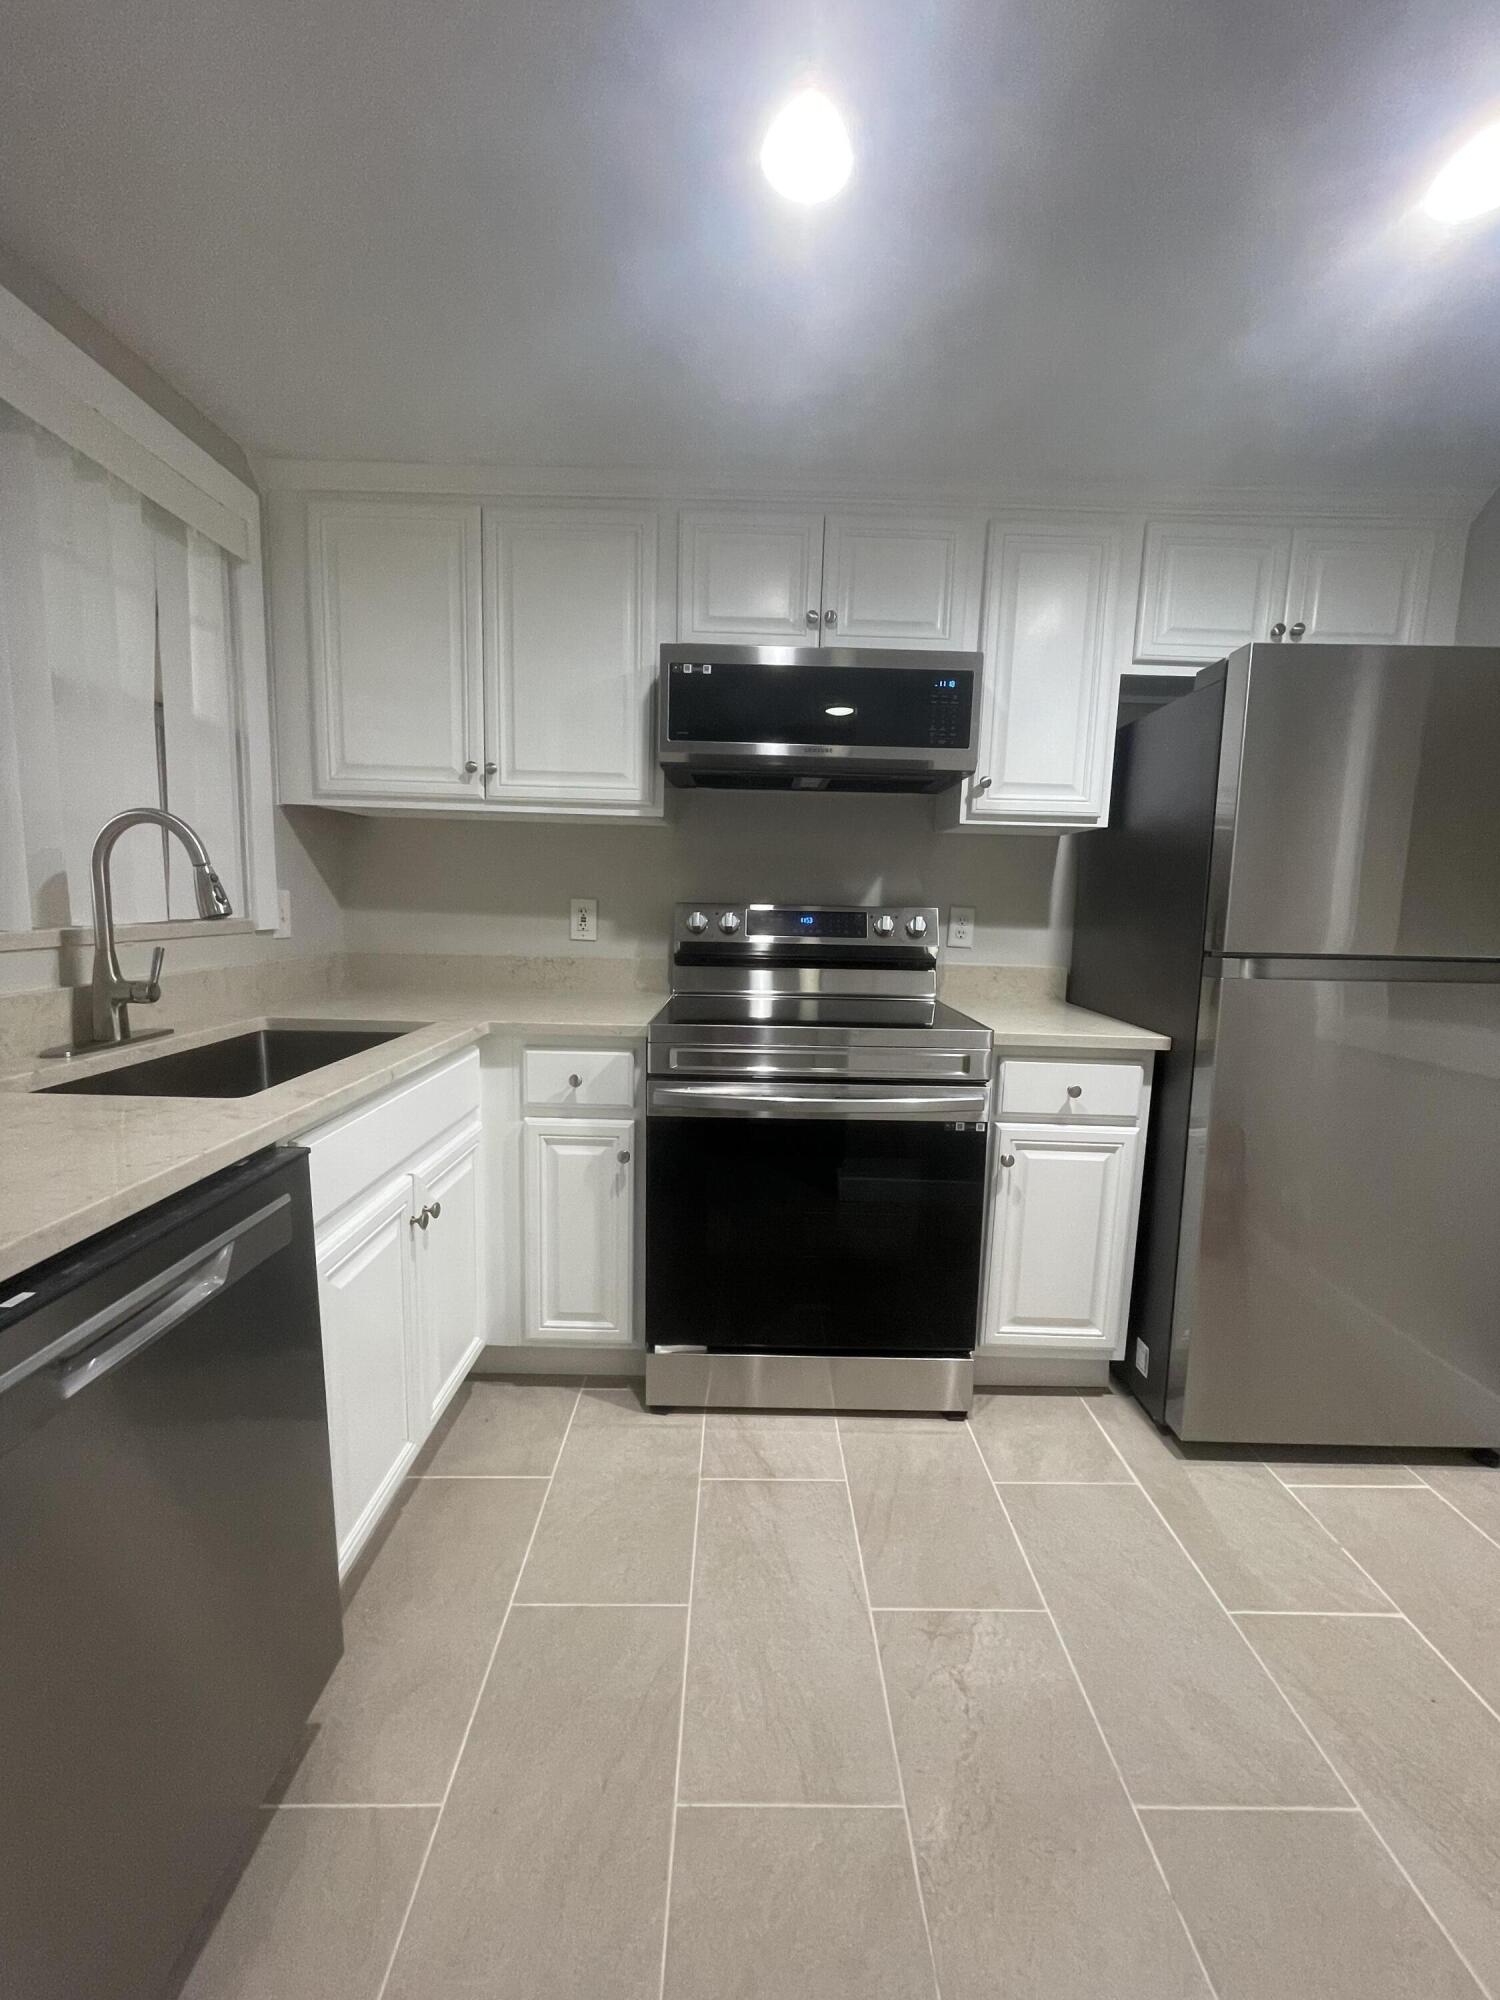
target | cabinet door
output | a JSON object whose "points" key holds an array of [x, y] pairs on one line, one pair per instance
{"points": [[1048, 702], [365, 1296], [1059, 1239], [570, 655], [449, 1322], [901, 581], [1207, 587], [394, 600], [1359, 585], [579, 1204], [750, 579]]}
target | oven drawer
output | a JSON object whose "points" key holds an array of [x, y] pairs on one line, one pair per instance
{"points": [[1072, 1090], [581, 1079]]}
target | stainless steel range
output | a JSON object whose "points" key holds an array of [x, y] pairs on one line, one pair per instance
{"points": [[816, 1147]]}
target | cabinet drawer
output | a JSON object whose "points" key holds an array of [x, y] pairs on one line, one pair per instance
{"points": [[588, 1079], [379, 1138], [1102, 1090]]}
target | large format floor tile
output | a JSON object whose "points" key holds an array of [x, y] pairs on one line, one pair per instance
{"points": [[417, 1638], [1036, 1877], [1473, 1489], [771, 1445], [1259, 1890], [547, 1880], [784, 1700], [789, 1905], [1419, 1752], [930, 1529], [1442, 1572], [618, 1526], [1183, 1702], [506, 1428], [1042, 1437], [319, 1908]]}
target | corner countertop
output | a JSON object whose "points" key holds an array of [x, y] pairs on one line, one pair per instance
{"points": [[71, 1166]]}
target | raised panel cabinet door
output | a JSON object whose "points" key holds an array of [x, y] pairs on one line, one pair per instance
{"points": [[570, 654], [910, 581], [450, 1330], [1207, 587], [1360, 585], [1059, 1239], [579, 1203], [750, 578], [1048, 701], [394, 602], [365, 1297]]}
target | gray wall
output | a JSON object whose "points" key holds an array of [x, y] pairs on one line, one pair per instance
{"points": [[1479, 602]]}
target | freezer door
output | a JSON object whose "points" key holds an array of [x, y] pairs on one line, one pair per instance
{"points": [[1340, 1277], [1359, 812]]}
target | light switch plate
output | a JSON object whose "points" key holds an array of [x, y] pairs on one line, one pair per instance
{"points": [[583, 919], [283, 913], [960, 927]]}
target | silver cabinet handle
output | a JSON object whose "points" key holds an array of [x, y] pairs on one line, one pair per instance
{"points": [[1296, 631], [624, 1158], [422, 1221], [1075, 1090], [470, 768], [211, 1277], [437, 1209], [812, 619], [1278, 630], [490, 770], [1007, 1159], [830, 617], [983, 784], [575, 1081]]}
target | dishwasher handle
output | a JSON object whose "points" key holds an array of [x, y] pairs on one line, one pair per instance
{"points": [[209, 1275]]}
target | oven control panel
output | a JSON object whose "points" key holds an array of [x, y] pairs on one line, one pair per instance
{"points": [[822, 924]]}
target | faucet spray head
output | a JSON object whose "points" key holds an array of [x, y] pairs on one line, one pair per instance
{"points": [[212, 899]]}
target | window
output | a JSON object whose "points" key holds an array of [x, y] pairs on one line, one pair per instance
{"points": [[117, 688]]}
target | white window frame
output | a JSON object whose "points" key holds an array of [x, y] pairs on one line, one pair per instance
{"points": [[67, 392]]}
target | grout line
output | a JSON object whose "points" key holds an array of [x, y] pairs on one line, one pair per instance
{"points": [[1098, 1725], [1437, 1494], [390, 1964], [416, 1478], [1348, 1485], [964, 1610], [1312, 1515], [1263, 1613], [789, 1805], [600, 1604], [687, 1640], [771, 1479], [1058, 1482], [355, 1805], [1250, 1809], [885, 1697], [1347, 1788]]}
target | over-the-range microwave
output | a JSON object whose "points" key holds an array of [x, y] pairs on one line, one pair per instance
{"points": [[817, 718]]}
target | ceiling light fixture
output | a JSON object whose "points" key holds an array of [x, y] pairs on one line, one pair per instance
{"points": [[806, 154], [838, 711], [1470, 183]]}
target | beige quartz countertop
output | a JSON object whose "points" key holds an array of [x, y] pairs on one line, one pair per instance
{"points": [[71, 1165]]}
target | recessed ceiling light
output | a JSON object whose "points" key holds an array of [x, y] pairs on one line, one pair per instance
{"points": [[1470, 183], [838, 711], [806, 155]]}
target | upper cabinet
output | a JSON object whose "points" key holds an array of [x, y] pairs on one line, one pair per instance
{"points": [[1210, 586], [780, 577], [395, 612]]}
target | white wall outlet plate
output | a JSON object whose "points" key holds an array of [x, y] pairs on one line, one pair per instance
{"points": [[583, 918], [283, 913], [960, 927], [1142, 1358]]}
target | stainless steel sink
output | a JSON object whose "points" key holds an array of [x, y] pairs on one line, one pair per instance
{"points": [[239, 1066]]}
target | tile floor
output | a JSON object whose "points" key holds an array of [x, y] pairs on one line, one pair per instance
{"points": [[783, 1708]]}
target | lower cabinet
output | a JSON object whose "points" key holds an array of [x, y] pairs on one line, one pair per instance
{"points": [[1063, 1219], [445, 1187], [579, 1203]]}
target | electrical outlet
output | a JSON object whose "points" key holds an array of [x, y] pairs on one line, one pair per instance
{"points": [[583, 919], [960, 927], [1142, 1358], [283, 913]]}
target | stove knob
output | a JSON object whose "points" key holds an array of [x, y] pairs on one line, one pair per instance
{"points": [[884, 926], [697, 923], [916, 927], [729, 923]]}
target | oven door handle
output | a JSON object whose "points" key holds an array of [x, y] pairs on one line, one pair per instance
{"points": [[919, 1104]]}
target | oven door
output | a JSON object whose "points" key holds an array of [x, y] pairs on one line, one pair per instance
{"points": [[814, 1218]]}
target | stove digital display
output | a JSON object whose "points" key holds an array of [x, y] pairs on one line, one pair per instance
{"points": [[806, 923]]}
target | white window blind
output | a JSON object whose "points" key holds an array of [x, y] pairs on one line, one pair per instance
{"points": [[117, 688]]}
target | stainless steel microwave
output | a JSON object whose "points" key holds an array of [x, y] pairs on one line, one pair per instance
{"points": [[817, 718]]}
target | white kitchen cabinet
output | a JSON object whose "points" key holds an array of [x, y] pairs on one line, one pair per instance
{"points": [[1209, 586], [902, 580], [1356, 584], [394, 606], [570, 655], [366, 1298], [750, 577], [1047, 707], [446, 1186], [1062, 1236], [579, 1204]]}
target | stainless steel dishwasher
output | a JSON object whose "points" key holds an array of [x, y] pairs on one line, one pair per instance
{"points": [[169, 1604]]}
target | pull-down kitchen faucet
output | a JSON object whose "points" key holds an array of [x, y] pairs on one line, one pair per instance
{"points": [[113, 993]]}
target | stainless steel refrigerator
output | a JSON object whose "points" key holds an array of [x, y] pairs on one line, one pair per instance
{"points": [[1301, 886]]}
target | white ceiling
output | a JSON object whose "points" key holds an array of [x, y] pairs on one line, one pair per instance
{"points": [[1139, 240]]}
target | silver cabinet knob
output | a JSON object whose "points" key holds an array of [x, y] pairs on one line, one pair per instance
{"points": [[623, 1158], [423, 1220], [470, 768], [490, 770], [1075, 1090], [983, 784], [575, 1081], [1278, 630], [1007, 1159], [916, 927], [436, 1210], [1296, 631], [884, 925], [812, 619], [697, 923], [729, 923], [830, 618]]}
